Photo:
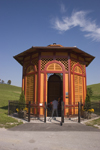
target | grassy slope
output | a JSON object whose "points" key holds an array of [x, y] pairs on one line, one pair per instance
{"points": [[7, 92], [96, 92]]}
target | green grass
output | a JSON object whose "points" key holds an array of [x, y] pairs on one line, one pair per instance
{"points": [[96, 92], [8, 92], [94, 122]]}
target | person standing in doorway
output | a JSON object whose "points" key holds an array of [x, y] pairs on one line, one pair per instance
{"points": [[55, 107]]}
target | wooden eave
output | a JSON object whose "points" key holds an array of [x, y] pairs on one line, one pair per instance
{"points": [[20, 57]]}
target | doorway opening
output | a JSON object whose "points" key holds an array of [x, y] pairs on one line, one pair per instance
{"points": [[55, 90]]}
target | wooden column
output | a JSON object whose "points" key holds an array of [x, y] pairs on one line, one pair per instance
{"points": [[39, 81], [64, 90], [69, 80]]}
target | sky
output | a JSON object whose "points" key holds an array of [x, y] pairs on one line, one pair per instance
{"points": [[27, 23]]}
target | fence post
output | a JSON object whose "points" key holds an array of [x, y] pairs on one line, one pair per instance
{"points": [[9, 107], [79, 110], [45, 112], [62, 112], [29, 111]]}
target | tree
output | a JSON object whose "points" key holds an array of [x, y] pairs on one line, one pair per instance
{"points": [[22, 101], [2, 81], [9, 82], [90, 91], [87, 105]]}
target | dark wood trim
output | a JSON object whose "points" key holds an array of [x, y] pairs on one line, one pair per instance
{"points": [[54, 56], [74, 59]]}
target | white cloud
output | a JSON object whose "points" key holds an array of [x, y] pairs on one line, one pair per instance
{"points": [[80, 19]]}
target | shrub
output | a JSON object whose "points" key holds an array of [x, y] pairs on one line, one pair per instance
{"points": [[89, 89], [22, 101], [87, 105]]}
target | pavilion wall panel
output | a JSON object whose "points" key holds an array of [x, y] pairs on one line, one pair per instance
{"points": [[30, 89], [23, 82], [84, 89], [42, 93], [36, 93], [72, 96], [66, 91], [46, 88], [78, 84]]}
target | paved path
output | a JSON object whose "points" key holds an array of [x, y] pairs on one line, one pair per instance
{"points": [[42, 136], [53, 127]]}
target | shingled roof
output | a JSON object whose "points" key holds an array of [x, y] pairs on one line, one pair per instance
{"points": [[54, 47]]}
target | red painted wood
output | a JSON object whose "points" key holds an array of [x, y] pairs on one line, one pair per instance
{"points": [[83, 88], [54, 61], [25, 87], [45, 73], [22, 77], [82, 75], [45, 86], [78, 74], [39, 80], [73, 92], [69, 80], [79, 66], [34, 89], [85, 81], [64, 89], [54, 71]]}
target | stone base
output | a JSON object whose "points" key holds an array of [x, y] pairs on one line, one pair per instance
{"points": [[87, 115], [22, 114]]}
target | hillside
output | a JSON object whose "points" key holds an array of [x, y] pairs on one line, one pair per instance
{"points": [[8, 92], [96, 91]]}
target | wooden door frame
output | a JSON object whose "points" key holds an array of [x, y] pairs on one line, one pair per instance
{"points": [[45, 81]]}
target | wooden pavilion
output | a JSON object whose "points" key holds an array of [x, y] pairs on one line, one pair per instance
{"points": [[54, 71]]}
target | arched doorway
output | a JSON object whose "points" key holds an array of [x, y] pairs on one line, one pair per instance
{"points": [[54, 91]]}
